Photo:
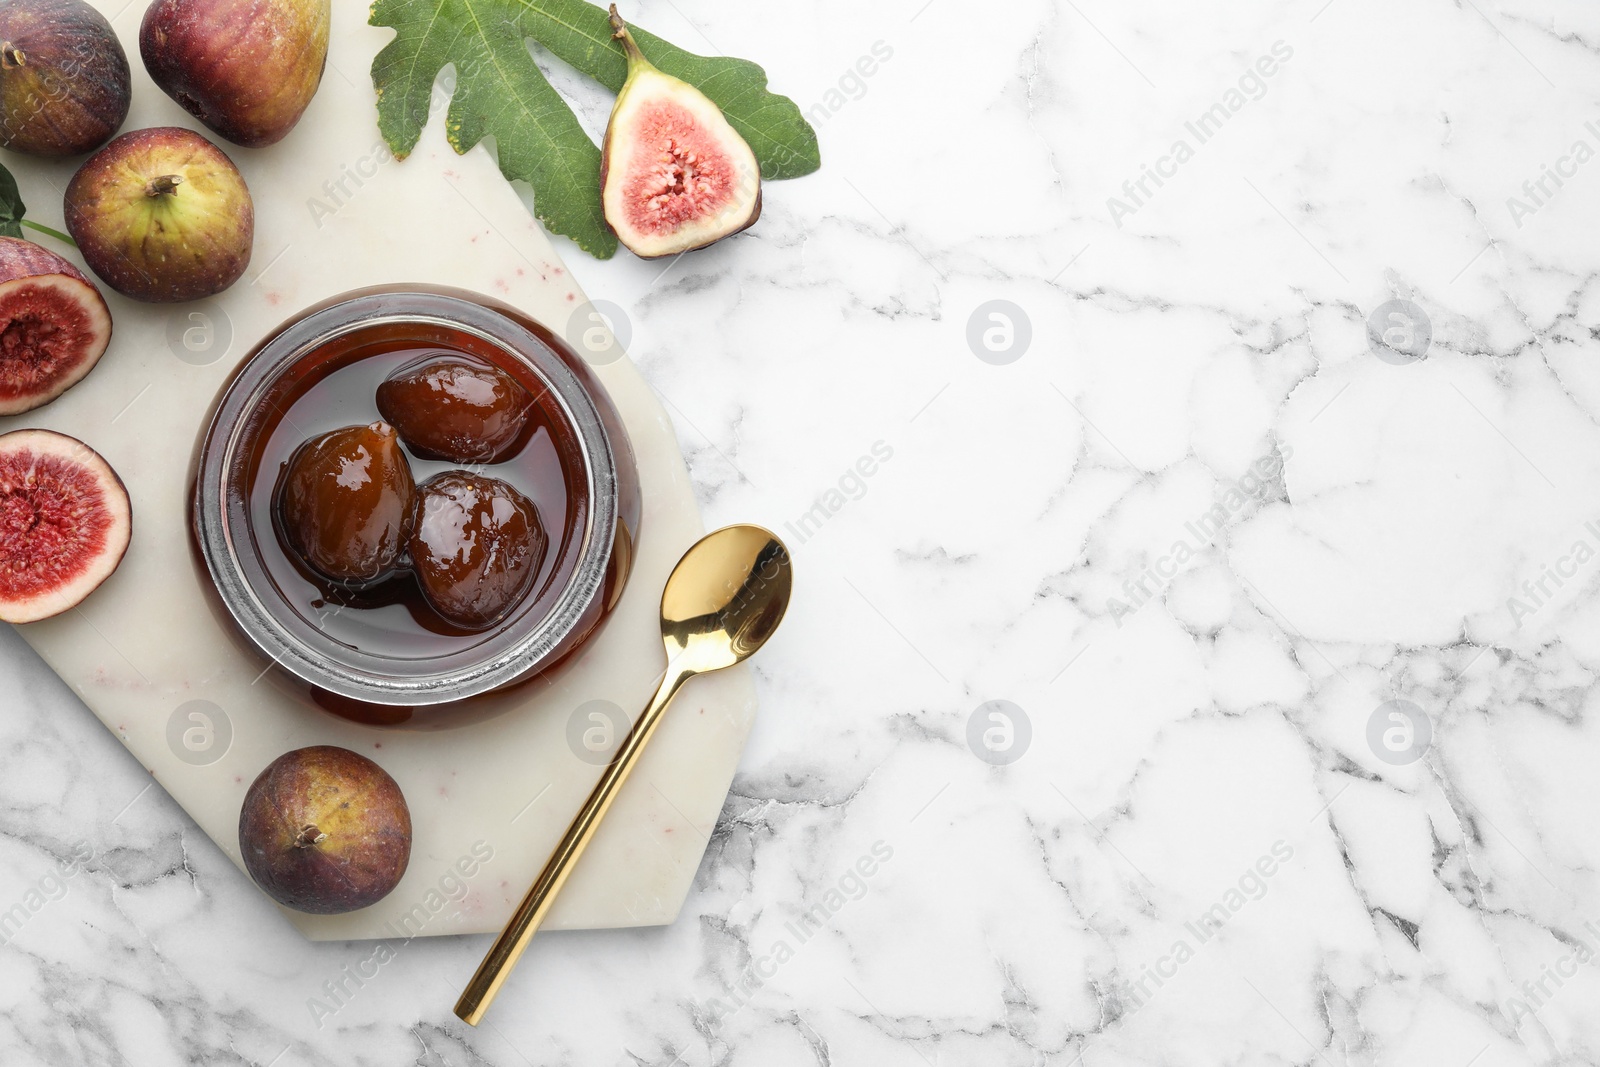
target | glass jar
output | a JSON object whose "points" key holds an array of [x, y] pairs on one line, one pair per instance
{"points": [[382, 656]]}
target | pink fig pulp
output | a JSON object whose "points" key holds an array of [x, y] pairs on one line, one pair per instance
{"points": [[54, 326], [674, 174], [65, 523]]}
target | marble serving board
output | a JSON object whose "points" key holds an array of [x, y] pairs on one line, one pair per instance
{"points": [[334, 211]]}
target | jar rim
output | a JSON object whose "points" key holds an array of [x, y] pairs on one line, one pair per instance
{"points": [[223, 529]]}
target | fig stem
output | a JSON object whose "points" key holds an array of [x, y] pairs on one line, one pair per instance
{"points": [[12, 56], [164, 185], [629, 46], [57, 234], [309, 835]]}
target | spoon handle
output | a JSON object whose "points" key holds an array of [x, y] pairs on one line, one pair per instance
{"points": [[508, 947]]}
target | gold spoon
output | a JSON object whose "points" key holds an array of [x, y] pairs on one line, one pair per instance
{"points": [[724, 599]]}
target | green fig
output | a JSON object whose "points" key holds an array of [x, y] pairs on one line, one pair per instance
{"points": [[162, 215]]}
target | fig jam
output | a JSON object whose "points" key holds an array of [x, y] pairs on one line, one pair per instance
{"points": [[475, 548], [345, 502], [450, 407], [378, 653], [340, 389]]}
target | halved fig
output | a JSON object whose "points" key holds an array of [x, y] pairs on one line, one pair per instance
{"points": [[674, 174], [65, 523], [54, 326]]}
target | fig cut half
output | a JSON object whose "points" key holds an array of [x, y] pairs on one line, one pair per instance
{"points": [[65, 523], [674, 175], [54, 326]]}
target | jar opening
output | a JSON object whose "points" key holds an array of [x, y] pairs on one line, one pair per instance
{"points": [[383, 645]]}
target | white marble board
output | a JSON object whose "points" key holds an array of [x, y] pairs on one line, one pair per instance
{"points": [[334, 211]]}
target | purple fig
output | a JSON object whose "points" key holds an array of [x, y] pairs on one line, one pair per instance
{"points": [[245, 68], [64, 79], [324, 830]]}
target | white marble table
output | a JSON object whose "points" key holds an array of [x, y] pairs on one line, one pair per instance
{"points": [[1297, 642]]}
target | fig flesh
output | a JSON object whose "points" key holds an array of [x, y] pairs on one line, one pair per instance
{"points": [[674, 174], [54, 326], [345, 504], [162, 215], [65, 523], [476, 547], [64, 78], [246, 68], [456, 408], [325, 830]]}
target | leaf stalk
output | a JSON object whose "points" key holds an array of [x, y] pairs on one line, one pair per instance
{"points": [[57, 234]]}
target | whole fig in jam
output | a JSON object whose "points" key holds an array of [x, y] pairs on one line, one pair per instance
{"points": [[345, 503], [476, 547], [456, 408], [64, 78]]}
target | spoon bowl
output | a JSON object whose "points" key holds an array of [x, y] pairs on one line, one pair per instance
{"points": [[725, 598]]}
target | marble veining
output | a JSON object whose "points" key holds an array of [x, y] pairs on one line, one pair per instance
{"points": [[1202, 673]]}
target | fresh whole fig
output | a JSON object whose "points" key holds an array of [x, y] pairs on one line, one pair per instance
{"points": [[245, 68], [674, 175], [476, 547], [162, 215], [325, 830], [64, 79], [345, 504], [455, 408]]}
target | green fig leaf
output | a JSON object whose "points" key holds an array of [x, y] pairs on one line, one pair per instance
{"points": [[11, 206], [500, 92], [579, 34]]}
